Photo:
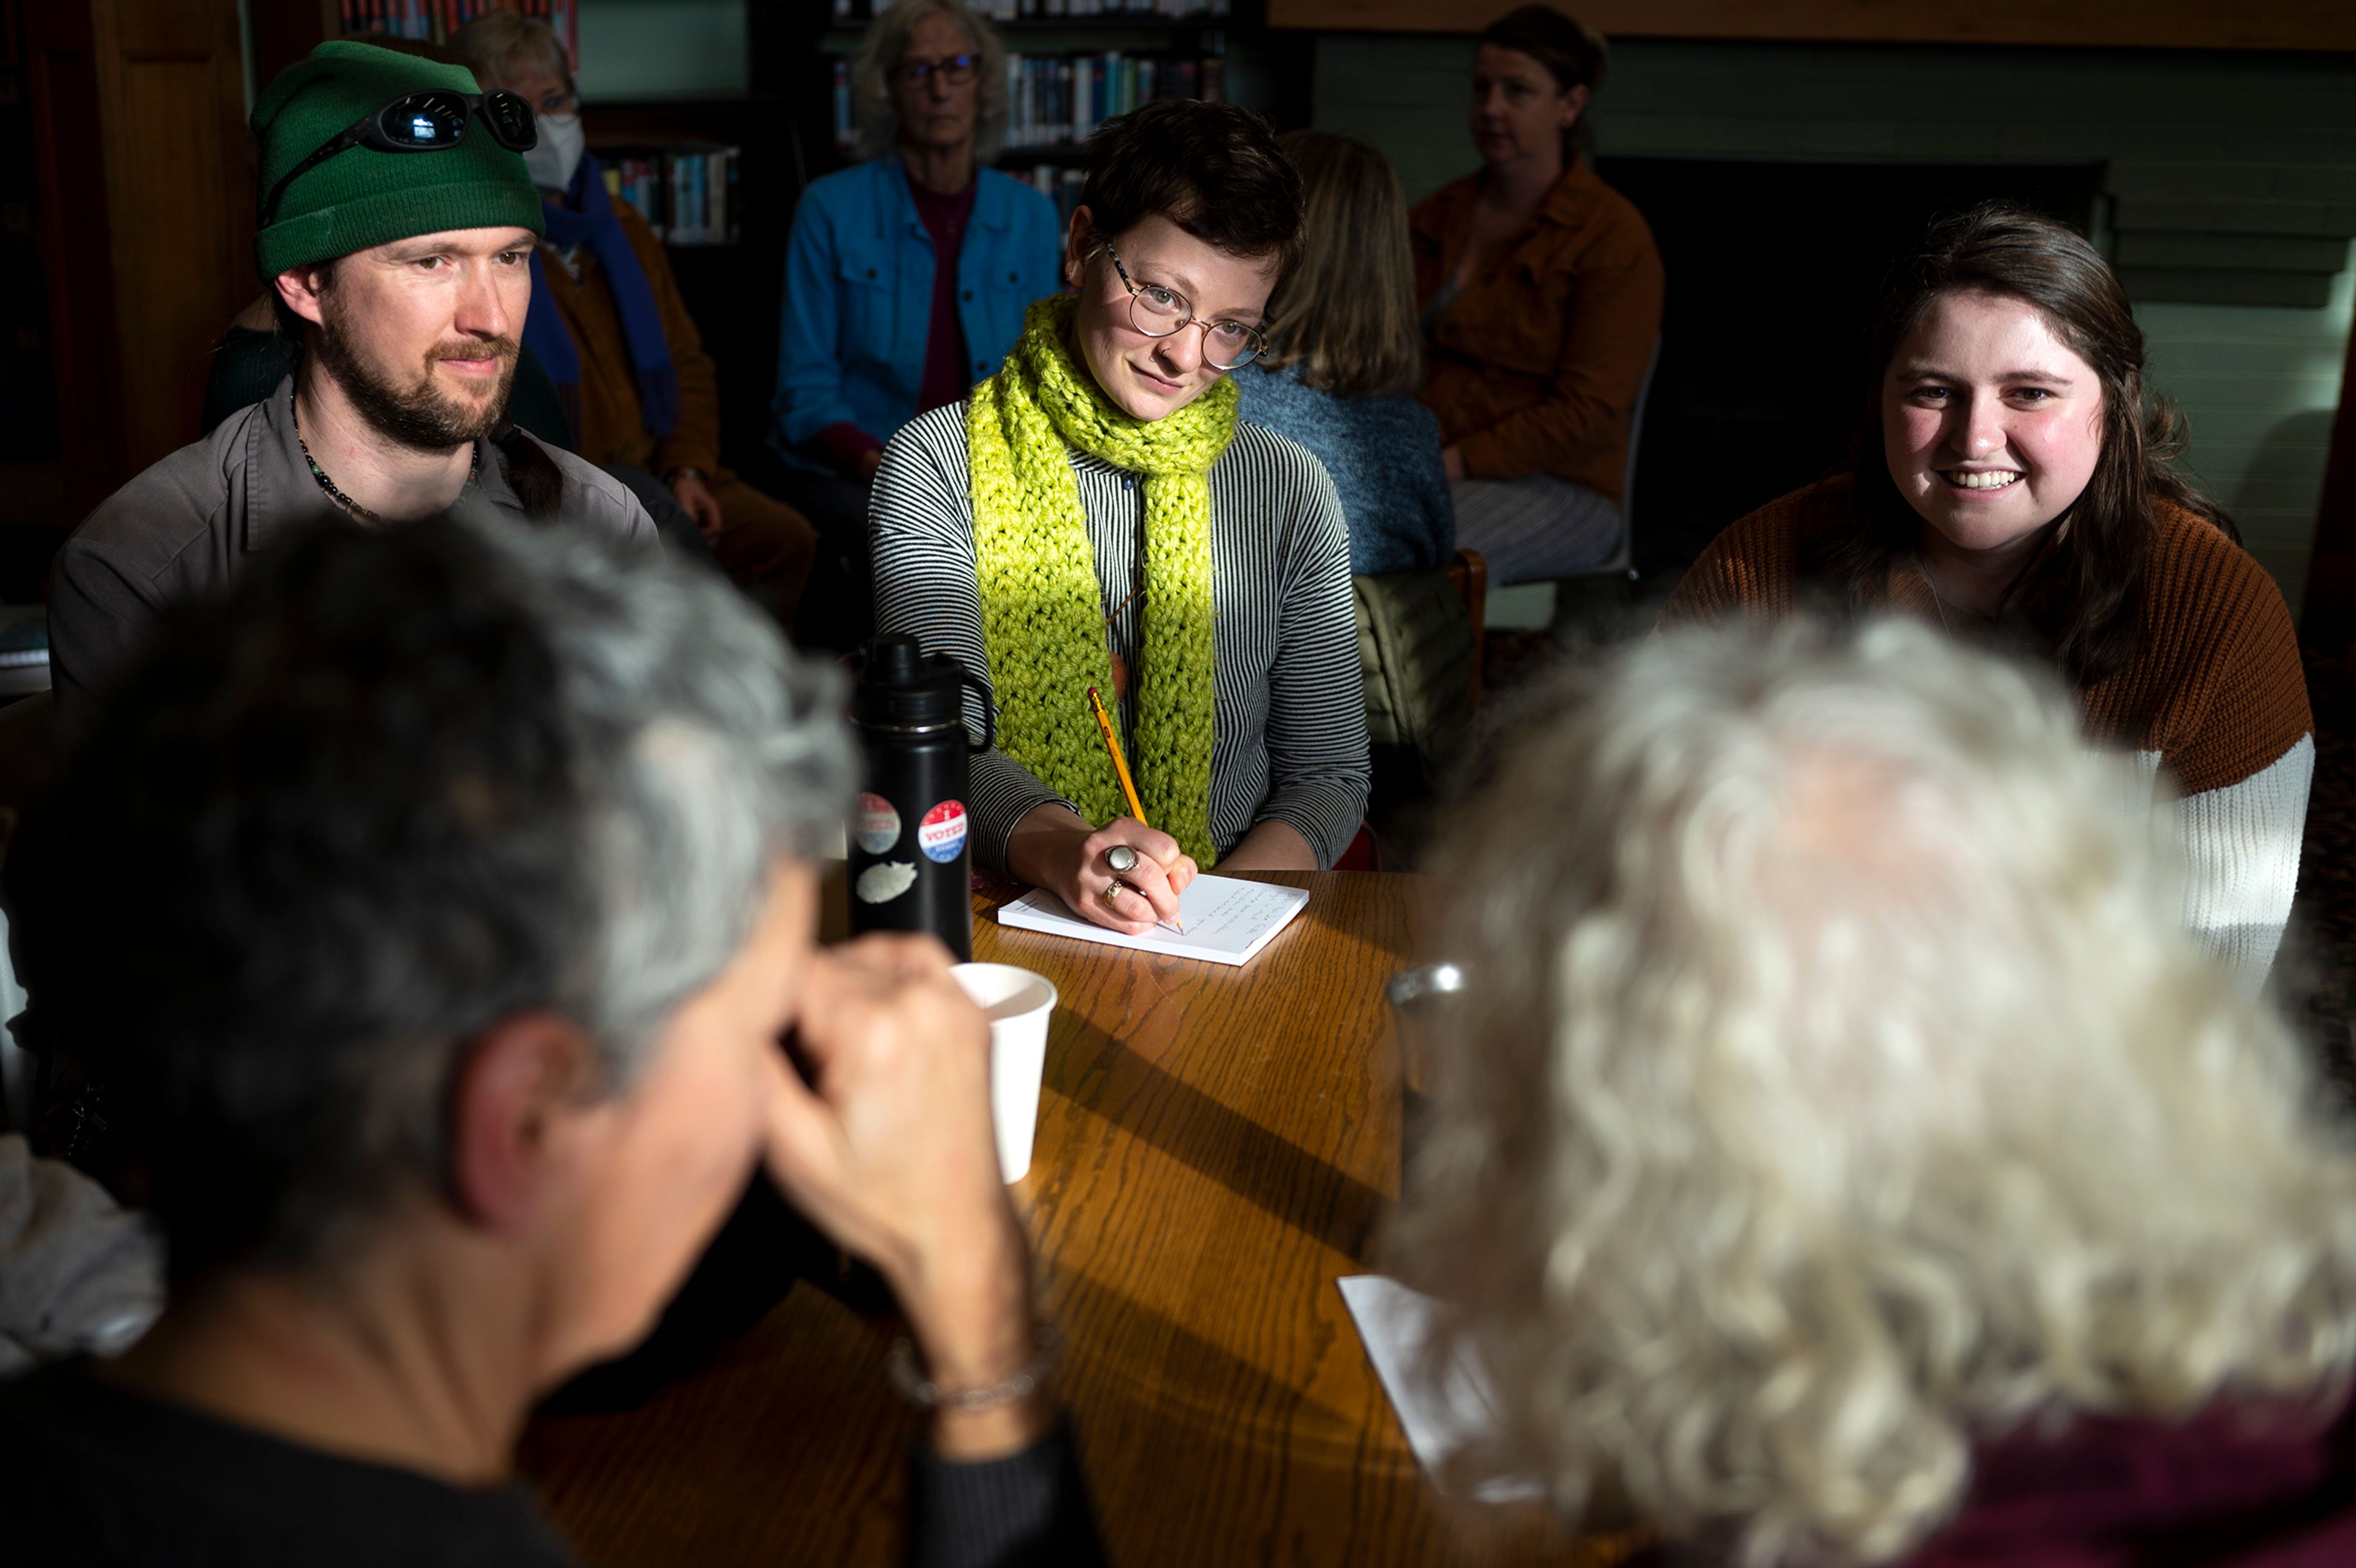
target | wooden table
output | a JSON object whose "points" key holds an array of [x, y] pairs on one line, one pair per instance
{"points": [[1216, 1146]]}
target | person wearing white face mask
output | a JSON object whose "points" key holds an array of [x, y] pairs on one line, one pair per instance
{"points": [[607, 320]]}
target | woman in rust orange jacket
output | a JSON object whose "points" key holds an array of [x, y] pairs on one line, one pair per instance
{"points": [[1540, 289]]}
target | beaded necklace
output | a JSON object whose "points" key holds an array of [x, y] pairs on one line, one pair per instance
{"points": [[474, 471]]}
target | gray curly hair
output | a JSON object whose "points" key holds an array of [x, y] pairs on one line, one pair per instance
{"points": [[880, 51], [1838, 1086]]}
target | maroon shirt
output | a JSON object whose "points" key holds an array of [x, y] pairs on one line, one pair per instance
{"points": [[2224, 1487], [2223, 1490], [945, 380]]}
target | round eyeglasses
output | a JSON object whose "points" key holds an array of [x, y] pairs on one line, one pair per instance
{"points": [[1159, 311], [955, 70]]}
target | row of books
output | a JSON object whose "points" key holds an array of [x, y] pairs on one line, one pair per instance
{"points": [[1058, 101], [1059, 183], [1033, 10], [688, 194], [433, 21]]}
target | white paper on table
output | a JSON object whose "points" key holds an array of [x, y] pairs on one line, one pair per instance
{"points": [[1227, 921], [1394, 1323]]}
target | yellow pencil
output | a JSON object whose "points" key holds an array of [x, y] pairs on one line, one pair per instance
{"points": [[1120, 771]]}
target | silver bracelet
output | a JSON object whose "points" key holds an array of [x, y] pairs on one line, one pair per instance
{"points": [[925, 1394]]}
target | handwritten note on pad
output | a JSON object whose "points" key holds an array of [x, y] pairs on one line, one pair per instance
{"points": [[1227, 921]]}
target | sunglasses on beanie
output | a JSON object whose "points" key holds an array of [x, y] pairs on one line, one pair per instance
{"points": [[425, 122]]}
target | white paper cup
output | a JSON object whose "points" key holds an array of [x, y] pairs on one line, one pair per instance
{"points": [[1018, 1003]]}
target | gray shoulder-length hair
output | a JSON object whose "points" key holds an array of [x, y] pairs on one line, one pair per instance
{"points": [[1840, 1087], [397, 785], [887, 40]]}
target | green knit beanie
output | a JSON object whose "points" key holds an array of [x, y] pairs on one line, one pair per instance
{"points": [[362, 196]]}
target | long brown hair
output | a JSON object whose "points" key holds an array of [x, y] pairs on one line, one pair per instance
{"points": [[1346, 313], [2084, 590]]}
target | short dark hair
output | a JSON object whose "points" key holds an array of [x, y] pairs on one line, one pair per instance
{"points": [[397, 785], [1212, 169], [1572, 52]]}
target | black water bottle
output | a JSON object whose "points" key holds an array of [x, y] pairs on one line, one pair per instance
{"points": [[911, 835]]}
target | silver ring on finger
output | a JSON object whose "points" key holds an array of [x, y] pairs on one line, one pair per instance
{"points": [[1122, 858], [1113, 890]]}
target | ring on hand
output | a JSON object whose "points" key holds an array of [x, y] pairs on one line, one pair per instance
{"points": [[1122, 858], [1113, 890]]}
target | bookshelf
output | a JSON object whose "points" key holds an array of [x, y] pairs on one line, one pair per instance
{"points": [[1073, 64], [433, 21]]}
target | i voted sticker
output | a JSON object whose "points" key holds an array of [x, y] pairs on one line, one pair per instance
{"points": [[875, 824], [941, 835]]}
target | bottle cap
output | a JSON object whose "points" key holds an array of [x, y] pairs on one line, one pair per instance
{"points": [[903, 688]]}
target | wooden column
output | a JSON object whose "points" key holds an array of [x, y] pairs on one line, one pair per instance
{"points": [[146, 174], [284, 31]]}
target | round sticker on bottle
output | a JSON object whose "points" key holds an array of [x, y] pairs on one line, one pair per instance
{"points": [[941, 835], [875, 824]]}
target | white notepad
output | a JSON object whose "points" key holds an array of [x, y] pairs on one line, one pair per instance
{"points": [[1227, 921], [1394, 1323]]}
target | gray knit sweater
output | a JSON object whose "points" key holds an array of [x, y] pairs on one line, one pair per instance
{"points": [[1384, 455]]}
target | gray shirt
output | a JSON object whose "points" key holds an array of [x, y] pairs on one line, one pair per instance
{"points": [[188, 525]]}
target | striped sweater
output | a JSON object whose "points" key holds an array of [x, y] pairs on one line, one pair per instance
{"points": [[1290, 719], [2217, 701]]}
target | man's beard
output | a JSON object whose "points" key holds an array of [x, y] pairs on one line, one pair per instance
{"points": [[416, 414]]}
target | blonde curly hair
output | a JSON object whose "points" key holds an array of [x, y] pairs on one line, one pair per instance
{"points": [[1836, 1089]]}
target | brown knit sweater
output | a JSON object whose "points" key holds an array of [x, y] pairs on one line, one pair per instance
{"points": [[2218, 692]]}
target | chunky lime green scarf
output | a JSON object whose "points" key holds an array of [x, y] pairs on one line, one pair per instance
{"points": [[1043, 618]]}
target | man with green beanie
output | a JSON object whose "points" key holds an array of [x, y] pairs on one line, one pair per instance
{"points": [[397, 221]]}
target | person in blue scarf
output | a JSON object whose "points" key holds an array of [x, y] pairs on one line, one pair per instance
{"points": [[608, 322]]}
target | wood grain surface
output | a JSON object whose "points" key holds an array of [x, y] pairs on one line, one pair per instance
{"points": [[1215, 1147]]}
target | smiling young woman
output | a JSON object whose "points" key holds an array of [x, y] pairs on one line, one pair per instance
{"points": [[2012, 482], [1096, 515]]}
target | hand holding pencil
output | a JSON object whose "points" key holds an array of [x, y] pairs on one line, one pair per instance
{"points": [[1128, 859]]}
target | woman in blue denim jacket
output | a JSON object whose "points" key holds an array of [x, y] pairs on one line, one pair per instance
{"points": [[906, 277]]}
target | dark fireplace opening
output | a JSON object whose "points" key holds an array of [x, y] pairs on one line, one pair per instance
{"points": [[1773, 271]]}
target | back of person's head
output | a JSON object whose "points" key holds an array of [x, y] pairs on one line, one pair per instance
{"points": [[496, 42], [873, 112], [2010, 253], [1572, 53], [1345, 315], [1212, 169], [398, 787], [1836, 1085]]}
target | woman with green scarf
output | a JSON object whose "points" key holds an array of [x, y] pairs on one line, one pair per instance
{"points": [[1095, 514]]}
